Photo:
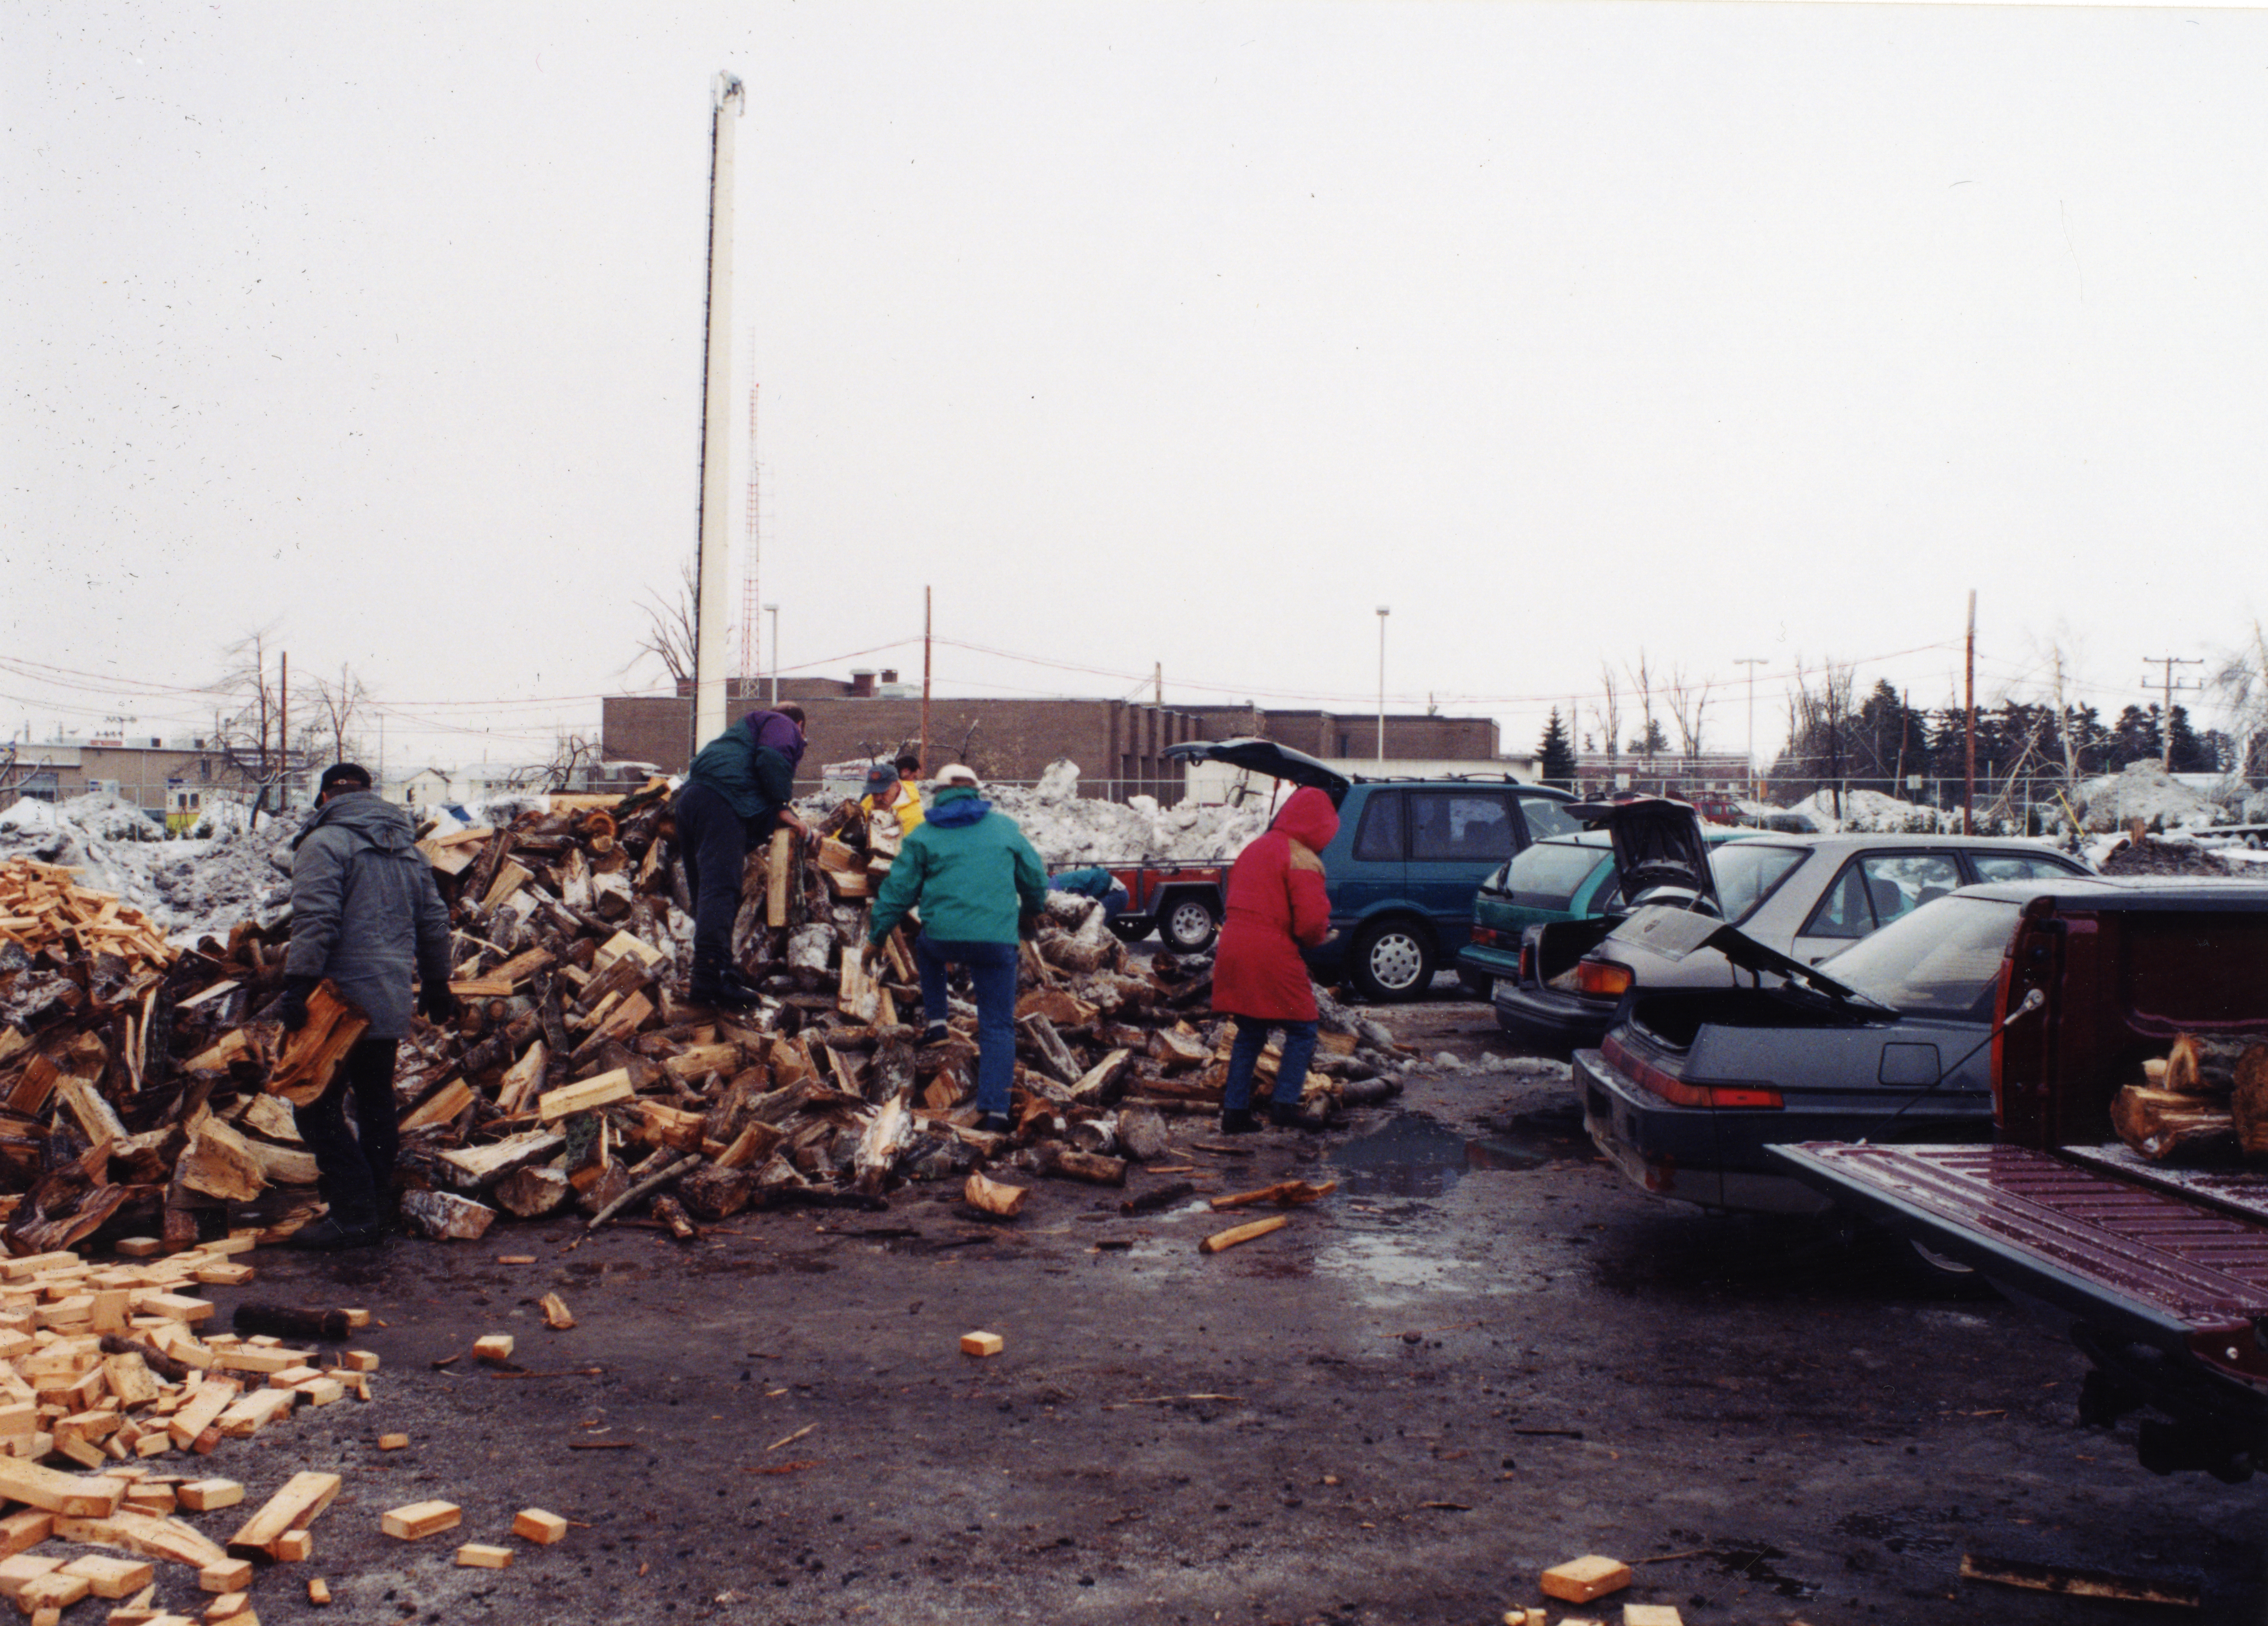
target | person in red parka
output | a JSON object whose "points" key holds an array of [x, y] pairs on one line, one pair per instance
{"points": [[1276, 903]]}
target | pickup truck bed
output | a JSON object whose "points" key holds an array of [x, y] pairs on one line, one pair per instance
{"points": [[2173, 1261]]}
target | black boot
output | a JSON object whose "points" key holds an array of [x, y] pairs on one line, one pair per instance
{"points": [[1292, 1117], [332, 1234], [1238, 1120], [716, 981]]}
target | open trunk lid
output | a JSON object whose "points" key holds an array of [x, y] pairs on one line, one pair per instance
{"points": [[1661, 854], [1258, 756]]}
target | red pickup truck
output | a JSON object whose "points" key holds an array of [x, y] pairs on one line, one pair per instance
{"points": [[1180, 902], [2165, 1268]]}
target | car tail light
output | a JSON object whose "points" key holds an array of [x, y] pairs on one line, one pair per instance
{"points": [[1602, 979], [1527, 962], [1680, 1092], [1485, 935]]}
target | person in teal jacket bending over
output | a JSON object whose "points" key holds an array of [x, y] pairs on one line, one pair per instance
{"points": [[974, 877]]}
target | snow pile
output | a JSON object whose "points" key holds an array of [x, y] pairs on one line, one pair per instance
{"points": [[2147, 792], [1868, 810], [188, 887], [1068, 828]]}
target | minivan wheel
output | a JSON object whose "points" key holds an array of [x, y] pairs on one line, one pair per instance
{"points": [[1188, 926], [1392, 960]]}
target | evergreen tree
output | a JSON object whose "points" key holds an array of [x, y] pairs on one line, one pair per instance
{"points": [[2135, 737], [1557, 754], [2189, 752]]}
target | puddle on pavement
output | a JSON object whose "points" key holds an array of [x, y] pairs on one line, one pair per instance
{"points": [[1414, 1156]]}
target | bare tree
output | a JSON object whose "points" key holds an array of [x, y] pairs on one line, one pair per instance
{"points": [[1609, 712], [333, 712], [2239, 677], [1686, 706], [669, 627], [1644, 678], [571, 754], [249, 729]]}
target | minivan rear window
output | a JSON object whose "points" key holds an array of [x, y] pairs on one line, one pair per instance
{"points": [[1549, 874]]}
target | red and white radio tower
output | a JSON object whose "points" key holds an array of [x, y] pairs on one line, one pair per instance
{"points": [[751, 653]]}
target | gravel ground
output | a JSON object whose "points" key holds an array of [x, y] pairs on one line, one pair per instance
{"points": [[1483, 1355]]}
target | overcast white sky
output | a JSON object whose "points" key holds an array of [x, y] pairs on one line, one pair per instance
{"points": [[1146, 333]]}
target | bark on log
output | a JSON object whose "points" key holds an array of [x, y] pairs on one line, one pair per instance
{"points": [[2166, 1125], [2248, 1101], [996, 1197], [2197, 1065]]}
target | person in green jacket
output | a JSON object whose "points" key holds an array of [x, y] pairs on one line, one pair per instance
{"points": [[974, 878], [735, 794]]}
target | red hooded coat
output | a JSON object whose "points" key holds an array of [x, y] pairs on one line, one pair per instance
{"points": [[1276, 902]]}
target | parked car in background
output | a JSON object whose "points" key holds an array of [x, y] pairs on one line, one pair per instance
{"points": [[1562, 878], [1690, 1085], [1408, 856], [1809, 897]]}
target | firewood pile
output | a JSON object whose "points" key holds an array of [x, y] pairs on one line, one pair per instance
{"points": [[144, 1090], [2205, 1101]]}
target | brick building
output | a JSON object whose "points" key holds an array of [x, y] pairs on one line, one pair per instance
{"points": [[1118, 744]]}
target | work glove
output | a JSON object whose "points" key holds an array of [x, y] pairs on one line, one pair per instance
{"points": [[1027, 924], [292, 1007], [435, 1002], [869, 952]]}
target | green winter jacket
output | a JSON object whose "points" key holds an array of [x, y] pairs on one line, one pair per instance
{"points": [[969, 870], [756, 779]]}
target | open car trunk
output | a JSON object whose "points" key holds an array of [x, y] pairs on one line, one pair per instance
{"points": [[1258, 756]]}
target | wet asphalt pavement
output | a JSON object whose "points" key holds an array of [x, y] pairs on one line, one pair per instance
{"points": [[1483, 1355]]}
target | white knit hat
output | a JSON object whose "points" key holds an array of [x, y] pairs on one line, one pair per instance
{"points": [[956, 773]]}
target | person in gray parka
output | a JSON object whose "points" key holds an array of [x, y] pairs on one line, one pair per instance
{"points": [[364, 914]]}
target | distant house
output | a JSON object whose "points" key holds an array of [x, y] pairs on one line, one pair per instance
{"points": [[428, 788]]}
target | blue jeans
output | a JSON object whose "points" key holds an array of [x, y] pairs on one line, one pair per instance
{"points": [[1244, 1055], [992, 971]]}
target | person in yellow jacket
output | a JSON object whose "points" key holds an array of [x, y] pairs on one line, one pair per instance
{"points": [[890, 794]]}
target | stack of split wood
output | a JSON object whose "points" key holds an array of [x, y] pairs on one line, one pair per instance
{"points": [[114, 1369], [141, 1094], [2205, 1101]]}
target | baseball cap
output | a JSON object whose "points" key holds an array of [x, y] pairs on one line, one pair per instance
{"points": [[880, 778]]}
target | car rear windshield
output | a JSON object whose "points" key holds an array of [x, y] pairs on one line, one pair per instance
{"points": [[1550, 874], [1943, 959], [1747, 871]]}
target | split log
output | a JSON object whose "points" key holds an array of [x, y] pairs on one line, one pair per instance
{"points": [[445, 1217], [715, 1193], [1222, 1241], [2166, 1125], [2197, 1065], [532, 1193], [1054, 1054], [672, 1214], [1142, 1134], [2249, 1100], [1283, 1195], [996, 1197], [1091, 1167], [779, 860]]}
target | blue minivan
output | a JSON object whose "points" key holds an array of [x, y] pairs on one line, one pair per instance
{"points": [[1408, 857]]}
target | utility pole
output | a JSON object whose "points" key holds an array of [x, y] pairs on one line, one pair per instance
{"points": [[926, 627], [283, 735], [1968, 726], [773, 611], [713, 568], [1751, 663], [2168, 686], [1383, 611]]}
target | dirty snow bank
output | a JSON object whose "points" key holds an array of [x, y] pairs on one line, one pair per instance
{"points": [[1070, 829], [187, 887], [2146, 791], [1870, 810]]}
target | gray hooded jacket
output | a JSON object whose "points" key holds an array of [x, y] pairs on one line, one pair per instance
{"points": [[365, 910]]}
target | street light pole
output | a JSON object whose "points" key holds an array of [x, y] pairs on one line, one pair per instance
{"points": [[1751, 663], [1383, 611], [773, 611]]}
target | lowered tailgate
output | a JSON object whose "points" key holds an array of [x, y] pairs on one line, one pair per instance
{"points": [[2159, 1266]]}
